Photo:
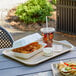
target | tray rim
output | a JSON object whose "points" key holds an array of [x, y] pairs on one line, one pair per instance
{"points": [[13, 57]]}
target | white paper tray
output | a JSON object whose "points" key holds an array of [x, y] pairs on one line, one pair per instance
{"points": [[36, 59]]}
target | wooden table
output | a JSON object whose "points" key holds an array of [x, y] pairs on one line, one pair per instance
{"points": [[9, 67]]}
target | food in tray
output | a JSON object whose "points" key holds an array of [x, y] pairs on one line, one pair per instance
{"points": [[28, 48], [67, 68]]}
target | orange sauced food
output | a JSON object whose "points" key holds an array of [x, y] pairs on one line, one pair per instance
{"points": [[28, 48]]}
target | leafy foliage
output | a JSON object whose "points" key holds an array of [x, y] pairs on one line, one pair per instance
{"points": [[54, 2], [34, 11]]}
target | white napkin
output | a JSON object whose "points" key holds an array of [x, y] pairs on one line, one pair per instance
{"points": [[26, 40]]}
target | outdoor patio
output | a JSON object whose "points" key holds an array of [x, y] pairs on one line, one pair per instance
{"points": [[11, 67]]}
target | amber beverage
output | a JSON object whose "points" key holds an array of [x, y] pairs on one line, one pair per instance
{"points": [[48, 34]]}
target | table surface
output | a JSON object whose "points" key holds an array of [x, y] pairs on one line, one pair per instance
{"points": [[10, 67]]}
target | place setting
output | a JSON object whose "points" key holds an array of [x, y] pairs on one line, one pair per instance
{"points": [[38, 38], [35, 48]]}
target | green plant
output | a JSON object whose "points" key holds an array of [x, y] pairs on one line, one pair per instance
{"points": [[34, 11], [54, 2]]}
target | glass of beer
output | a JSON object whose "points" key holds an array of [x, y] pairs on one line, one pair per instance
{"points": [[48, 34]]}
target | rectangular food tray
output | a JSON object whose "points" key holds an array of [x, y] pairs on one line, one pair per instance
{"points": [[38, 58]]}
